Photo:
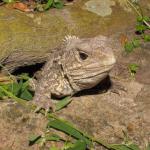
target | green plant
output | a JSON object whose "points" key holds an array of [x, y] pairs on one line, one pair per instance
{"points": [[41, 5], [50, 4], [129, 46], [133, 69], [53, 3], [77, 140], [18, 88], [142, 28]]}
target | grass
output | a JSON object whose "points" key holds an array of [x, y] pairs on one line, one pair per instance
{"points": [[34, 5], [78, 141], [19, 91], [142, 28]]}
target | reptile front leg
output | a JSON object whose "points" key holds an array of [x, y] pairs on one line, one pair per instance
{"points": [[42, 98], [117, 86], [44, 103]]}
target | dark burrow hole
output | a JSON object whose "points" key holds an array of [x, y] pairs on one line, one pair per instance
{"points": [[30, 70], [102, 87]]}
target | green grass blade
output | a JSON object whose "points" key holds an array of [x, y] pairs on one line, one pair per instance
{"points": [[68, 129], [34, 139], [120, 147], [79, 145], [14, 88], [133, 147], [58, 4], [124, 147], [48, 4], [26, 95], [54, 148], [148, 147], [53, 137], [63, 103]]}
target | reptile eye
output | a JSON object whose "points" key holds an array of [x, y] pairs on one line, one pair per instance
{"points": [[83, 56]]}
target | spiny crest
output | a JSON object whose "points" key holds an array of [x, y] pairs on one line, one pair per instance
{"points": [[69, 38]]}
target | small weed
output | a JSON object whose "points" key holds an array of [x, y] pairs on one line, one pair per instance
{"points": [[142, 24], [35, 5], [75, 139], [79, 140], [133, 69], [63, 103], [50, 4], [142, 28], [18, 88], [54, 3], [129, 46]]}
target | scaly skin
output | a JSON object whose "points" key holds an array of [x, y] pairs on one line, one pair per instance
{"points": [[77, 65]]}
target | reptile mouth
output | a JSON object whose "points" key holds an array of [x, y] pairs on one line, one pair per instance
{"points": [[111, 60]]}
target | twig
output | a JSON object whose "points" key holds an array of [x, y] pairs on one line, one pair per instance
{"points": [[138, 13]]}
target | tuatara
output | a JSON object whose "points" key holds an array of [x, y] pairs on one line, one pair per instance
{"points": [[78, 64]]}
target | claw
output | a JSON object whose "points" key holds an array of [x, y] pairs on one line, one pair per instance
{"points": [[118, 88], [37, 110], [45, 104]]}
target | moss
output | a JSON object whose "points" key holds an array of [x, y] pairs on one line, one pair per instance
{"points": [[90, 24], [44, 31], [25, 34]]}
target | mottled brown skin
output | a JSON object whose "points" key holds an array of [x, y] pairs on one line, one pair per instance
{"points": [[78, 64]]}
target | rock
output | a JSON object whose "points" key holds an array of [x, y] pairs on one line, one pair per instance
{"points": [[17, 125], [99, 112], [100, 7], [36, 34]]}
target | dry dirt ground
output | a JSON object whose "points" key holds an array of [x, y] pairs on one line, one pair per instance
{"points": [[119, 104]]}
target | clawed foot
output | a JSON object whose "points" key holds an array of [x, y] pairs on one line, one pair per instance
{"points": [[45, 104], [118, 88]]}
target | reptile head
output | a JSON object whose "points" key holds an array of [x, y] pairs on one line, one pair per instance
{"points": [[87, 61]]}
